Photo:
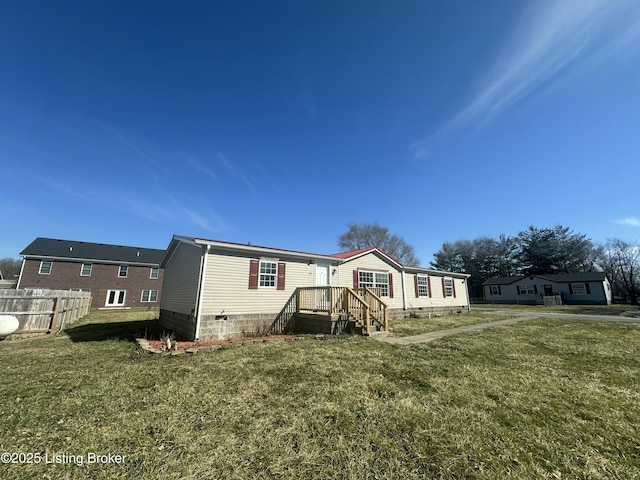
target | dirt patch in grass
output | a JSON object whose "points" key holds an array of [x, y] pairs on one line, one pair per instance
{"points": [[208, 343]]}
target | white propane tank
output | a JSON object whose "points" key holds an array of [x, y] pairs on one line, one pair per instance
{"points": [[8, 325]]}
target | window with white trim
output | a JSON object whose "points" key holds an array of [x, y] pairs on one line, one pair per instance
{"points": [[149, 296], [45, 267], [374, 280], [85, 271], [448, 287], [526, 290], [116, 298], [123, 271], [579, 288], [154, 272], [86, 290], [268, 275], [423, 285]]}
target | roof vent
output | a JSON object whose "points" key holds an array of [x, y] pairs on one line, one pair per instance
{"points": [[71, 249], [138, 254]]}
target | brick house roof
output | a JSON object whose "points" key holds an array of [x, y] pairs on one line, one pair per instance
{"points": [[76, 250]]}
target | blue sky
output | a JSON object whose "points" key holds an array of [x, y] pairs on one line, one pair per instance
{"points": [[279, 122]]}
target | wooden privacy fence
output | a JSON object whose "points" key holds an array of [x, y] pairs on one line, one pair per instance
{"points": [[44, 311]]}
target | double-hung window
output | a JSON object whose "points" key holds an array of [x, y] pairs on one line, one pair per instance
{"points": [[268, 274], [123, 271], [526, 289], [579, 289], [154, 272], [85, 271], [45, 267], [422, 282], [149, 296], [448, 287]]}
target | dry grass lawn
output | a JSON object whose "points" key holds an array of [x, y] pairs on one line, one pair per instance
{"points": [[542, 399]]}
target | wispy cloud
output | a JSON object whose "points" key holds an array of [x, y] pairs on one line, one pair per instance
{"points": [[200, 167], [228, 164], [630, 221], [236, 171], [550, 38]]}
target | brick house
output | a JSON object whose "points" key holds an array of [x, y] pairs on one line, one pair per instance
{"points": [[117, 276]]}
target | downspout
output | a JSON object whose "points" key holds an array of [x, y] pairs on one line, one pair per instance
{"points": [[203, 274], [404, 292], [24, 259], [466, 284]]}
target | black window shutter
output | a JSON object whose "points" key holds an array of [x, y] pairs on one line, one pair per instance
{"points": [[586, 285], [571, 289]]}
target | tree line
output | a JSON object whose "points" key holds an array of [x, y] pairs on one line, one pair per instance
{"points": [[539, 251]]}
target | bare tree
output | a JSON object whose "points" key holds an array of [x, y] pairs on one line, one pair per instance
{"points": [[9, 268], [620, 260], [365, 235]]}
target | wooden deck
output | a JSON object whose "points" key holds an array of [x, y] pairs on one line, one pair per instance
{"points": [[363, 306]]}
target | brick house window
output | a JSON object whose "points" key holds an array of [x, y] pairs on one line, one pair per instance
{"points": [[123, 270], [85, 271], [154, 272], [149, 296], [45, 267]]}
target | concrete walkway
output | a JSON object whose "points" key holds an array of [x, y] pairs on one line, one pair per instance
{"points": [[516, 318]]}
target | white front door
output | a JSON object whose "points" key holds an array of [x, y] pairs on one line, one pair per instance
{"points": [[322, 274], [322, 280]]}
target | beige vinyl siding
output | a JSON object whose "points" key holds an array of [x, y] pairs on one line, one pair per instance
{"points": [[373, 262], [180, 284], [227, 286], [437, 298]]}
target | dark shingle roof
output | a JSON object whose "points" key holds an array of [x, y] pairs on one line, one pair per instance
{"points": [[75, 250], [559, 278]]}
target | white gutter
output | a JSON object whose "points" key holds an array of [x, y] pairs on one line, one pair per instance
{"points": [[274, 252], [203, 274]]}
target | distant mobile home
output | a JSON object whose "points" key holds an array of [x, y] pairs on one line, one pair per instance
{"points": [[587, 288], [214, 289]]}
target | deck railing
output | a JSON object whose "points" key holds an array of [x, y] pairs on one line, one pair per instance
{"points": [[363, 305], [378, 307], [284, 321]]}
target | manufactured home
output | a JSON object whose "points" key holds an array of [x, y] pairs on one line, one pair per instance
{"points": [[586, 288], [214, 289]]}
